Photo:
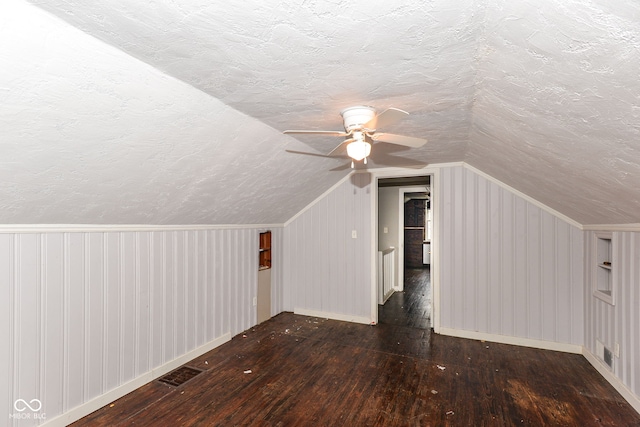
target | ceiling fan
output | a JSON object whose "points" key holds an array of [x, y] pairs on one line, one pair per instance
{"points": [[360, 128]]}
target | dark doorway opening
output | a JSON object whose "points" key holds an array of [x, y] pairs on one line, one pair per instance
{"points": [[416, 237]]}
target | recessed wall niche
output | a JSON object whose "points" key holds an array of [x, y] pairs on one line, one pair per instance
{"points": [[603, 264]]}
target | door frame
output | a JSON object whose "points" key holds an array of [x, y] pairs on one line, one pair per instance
{"points": [[436, 208]]}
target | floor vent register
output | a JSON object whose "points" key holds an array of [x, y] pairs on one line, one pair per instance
{"points": [[180, 376]]}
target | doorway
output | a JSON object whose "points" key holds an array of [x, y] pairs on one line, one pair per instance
{"points": [[405, 229]]}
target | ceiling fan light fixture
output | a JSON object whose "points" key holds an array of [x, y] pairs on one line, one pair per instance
{"points": [[361, 125], [356, 117], [358, 149]]}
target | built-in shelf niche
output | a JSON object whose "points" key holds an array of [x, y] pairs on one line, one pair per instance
{"points": [[265, 250], [603, 262]]}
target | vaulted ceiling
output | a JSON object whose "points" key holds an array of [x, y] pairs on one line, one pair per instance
{"points": [[172, 112]]}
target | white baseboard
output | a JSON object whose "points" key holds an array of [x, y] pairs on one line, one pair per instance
{"points": [[599, 365], [116, 393], [388, 295], [333, 316], [604, 370], [504, 339]]}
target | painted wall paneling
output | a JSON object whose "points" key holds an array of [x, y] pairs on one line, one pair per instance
{"points": [[328, 271], [388, 217], [277, 271], [620, 323], [508, 267], [86, 312]]}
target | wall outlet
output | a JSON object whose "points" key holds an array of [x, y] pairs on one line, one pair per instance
{"points": [[385, 230], [255, 301], [354, 234]]}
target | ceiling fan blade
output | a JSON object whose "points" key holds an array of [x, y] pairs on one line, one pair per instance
{"points": [[340, 147], [326, 156], [398, 162], [407, 141], [391, 155], [388, 117], [341, 167], [318, 132]]}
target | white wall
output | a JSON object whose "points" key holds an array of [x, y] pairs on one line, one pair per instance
{"points": [[277, 270], [508, 267], [327, 271], [388, 208], [86, 312], [388, 216], [619, 323]]}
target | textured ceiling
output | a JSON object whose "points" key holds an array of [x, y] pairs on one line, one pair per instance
{"points": [[165, 112]]}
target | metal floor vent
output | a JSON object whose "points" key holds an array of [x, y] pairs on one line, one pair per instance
{"points": [[180, 376]]}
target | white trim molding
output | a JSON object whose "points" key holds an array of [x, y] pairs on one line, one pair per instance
{"points": [[620, 387], [103, 228], [525, 197], [504, 339], [434, 172], [332, 316], [611, 227], [104, 399], [317, 199]]}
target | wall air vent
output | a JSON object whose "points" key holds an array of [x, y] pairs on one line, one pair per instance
{"points": [[604, 353], [608, 359]]}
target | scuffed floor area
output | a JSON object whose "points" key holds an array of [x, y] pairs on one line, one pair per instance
{"points": [[301, 371]]}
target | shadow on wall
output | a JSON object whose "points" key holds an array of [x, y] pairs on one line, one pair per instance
{"points": [[361, 180]]}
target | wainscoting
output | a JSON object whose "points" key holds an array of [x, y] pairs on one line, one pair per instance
{"points": [[88, 312], [619, 323]]}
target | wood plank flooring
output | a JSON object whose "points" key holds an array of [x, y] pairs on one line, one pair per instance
{"points": [[412, 307], [316, 372]]}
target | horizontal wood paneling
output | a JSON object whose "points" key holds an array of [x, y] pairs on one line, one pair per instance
{"points": [[86, 312], [508, 267], [619, 323], [326, 269]]}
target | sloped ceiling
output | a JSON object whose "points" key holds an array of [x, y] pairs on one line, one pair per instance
{"points": [[165, 112]]}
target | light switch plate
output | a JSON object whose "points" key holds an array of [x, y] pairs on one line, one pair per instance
{"points": [[354, 234]]}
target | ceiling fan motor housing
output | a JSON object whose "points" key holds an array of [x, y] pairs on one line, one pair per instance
{"points": [[356, 117]]}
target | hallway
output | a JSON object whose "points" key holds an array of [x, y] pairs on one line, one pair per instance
{"points": [[412, 307]]}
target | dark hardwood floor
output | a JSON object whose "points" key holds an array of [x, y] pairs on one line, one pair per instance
{"points": [[307, 371], [412, 307]]}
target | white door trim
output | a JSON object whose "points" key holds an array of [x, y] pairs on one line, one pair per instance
{"points": [[434, 172]]}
